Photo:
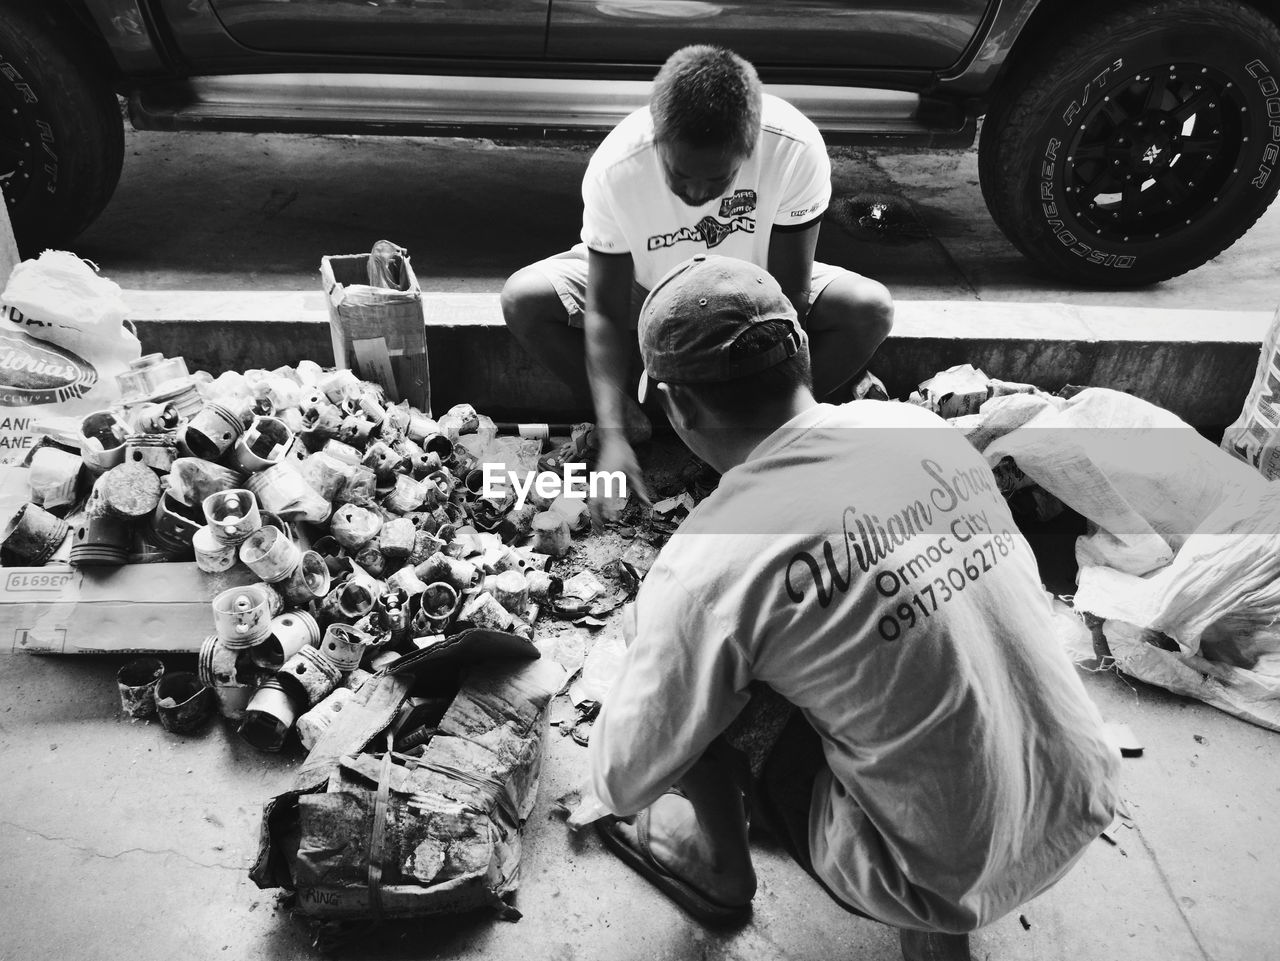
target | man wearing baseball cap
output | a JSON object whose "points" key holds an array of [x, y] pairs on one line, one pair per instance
{"points": [[850, 632]]}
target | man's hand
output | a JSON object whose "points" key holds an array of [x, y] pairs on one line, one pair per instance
{"points": [[616, 454]]}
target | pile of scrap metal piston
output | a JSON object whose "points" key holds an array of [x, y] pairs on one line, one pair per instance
{"points": [[364, 521]]}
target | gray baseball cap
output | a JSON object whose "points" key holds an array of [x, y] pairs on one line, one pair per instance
{"points": [[695, 314]]}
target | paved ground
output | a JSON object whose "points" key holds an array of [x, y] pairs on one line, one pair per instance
{"points": [[123, 843], [236, 211], [118, 841]]}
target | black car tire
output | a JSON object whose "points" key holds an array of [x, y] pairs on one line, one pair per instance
{"points": [[61, 131], [1139, 145]]}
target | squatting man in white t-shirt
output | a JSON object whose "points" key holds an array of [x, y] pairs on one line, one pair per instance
{"points": [[851, 633], [712, 164]]}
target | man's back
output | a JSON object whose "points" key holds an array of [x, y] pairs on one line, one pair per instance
{"points": [[862, 563]]}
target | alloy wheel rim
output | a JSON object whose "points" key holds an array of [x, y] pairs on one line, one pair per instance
{"points": [[1155, 154]]}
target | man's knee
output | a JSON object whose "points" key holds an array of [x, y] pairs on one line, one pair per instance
{"points": [[875, 306], [529, 299], [861, 306]]}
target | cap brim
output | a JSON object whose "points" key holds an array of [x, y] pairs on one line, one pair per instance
{"points": [[642, 391]]}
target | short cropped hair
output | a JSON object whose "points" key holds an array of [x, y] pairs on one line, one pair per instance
{"points": [[707, 97], [742, 395]]}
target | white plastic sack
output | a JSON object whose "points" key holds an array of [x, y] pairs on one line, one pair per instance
{"points": [[1003, 415], [1248, 695], [1219, 599], [1255, 436], [75, 307], [62, 343], [1143, 478]]}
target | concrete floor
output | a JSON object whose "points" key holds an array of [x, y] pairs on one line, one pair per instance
{"points": [[120, 841]]}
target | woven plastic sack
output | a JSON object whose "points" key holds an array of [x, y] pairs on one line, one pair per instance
{"points": [[74, 306], [1255, 436], [1143, 478], [63, 340], [1219, 600]]}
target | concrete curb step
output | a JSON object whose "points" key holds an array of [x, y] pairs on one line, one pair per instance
{"points": [[1196, 363]]}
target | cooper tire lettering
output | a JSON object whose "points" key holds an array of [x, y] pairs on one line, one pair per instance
{"points": [[1142, 166], [1269, 88]]}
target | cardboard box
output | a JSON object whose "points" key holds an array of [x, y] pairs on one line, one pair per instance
{"points": [[377, 332], [58, 609]]}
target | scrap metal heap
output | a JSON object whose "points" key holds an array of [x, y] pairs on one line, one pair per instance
{"points": [[367, 525]]}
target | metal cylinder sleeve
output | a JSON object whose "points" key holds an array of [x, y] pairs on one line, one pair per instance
{"points": [[101, 542], [102, 440], [212, 555], [137, 682], [157, 451], [242, 617], [270, 554], [263, 445], [307, 582], [344, 646], [210, 433], [32, 535], [308, 676], [290, 633], [269, 716], [233, 515], [183, 702]]}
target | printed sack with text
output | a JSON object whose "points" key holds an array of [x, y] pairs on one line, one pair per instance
{"points": [[63, 340]]}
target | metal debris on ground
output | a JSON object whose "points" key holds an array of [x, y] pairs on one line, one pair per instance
{"points": [[672, 510], [396, 594], [1123, 739], [960, 391], [958, 394], [367, 524], [584, 585], [880, 218], [1121, 822]]}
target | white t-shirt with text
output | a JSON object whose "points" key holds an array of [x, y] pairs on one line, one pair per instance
{"points": [[862, 563], [628, 207]]}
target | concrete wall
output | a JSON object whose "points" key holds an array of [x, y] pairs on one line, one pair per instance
{"points": [[1198, 364]]}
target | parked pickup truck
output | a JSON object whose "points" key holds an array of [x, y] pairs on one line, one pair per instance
{"points": [[1124, 142]]}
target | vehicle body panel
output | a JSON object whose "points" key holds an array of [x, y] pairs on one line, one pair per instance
{"points": [[538, 107], [813, 33], [123, 25], [976, 73], [389, 28], [200, 40], [950, 49]]}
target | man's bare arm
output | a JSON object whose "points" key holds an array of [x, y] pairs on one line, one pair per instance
{"points": [[608, 334], [791, 263], [609, 351]]}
